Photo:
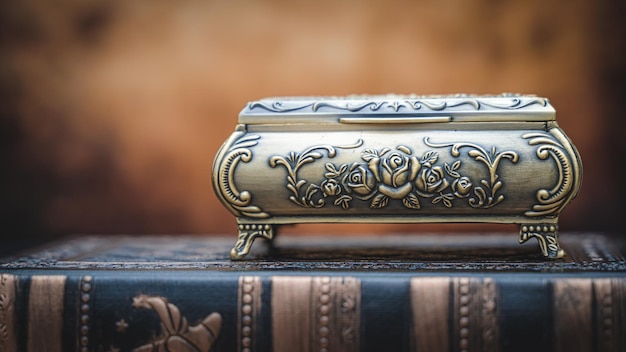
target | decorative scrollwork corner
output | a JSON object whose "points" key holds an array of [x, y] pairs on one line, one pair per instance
{"points": [[238, 200], [552, 201]]}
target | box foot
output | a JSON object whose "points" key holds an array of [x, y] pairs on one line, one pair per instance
{"points": [[546, 235], [247, 234]]}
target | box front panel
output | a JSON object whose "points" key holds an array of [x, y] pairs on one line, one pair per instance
{"points": [[408, 173]]}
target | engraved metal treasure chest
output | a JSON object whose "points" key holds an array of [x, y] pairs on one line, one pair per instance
{"points": [[398, 159]]}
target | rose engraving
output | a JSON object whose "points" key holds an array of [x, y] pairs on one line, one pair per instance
{"points": [[394, 171], [361, 180], [462, 186], [432, 180], [331, 187], [385, 176]]}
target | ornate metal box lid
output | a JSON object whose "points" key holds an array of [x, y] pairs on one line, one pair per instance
{"points": [[393, 109]]}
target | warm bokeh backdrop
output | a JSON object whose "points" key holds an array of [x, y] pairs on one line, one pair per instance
{"points": [[112, 111]]}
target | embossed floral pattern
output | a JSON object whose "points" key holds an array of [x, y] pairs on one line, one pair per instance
{"points": [[394, 171], [385, 176], [398, 175]]}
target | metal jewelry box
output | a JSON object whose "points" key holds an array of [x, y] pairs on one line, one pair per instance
{"points": [[398, 159]]}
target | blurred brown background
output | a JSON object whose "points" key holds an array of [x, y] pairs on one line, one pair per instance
{"points": [[112, 111]]}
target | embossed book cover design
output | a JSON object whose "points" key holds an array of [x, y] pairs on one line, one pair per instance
{"points": [[451, 293]]}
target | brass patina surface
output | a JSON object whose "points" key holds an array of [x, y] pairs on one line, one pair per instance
{"points": [[398, 159]]}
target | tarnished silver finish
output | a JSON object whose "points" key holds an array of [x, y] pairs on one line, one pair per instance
{"points": [[398, 159]]}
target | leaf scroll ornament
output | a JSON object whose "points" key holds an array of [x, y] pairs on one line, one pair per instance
{"points": [[313, 195], [485, 196]]}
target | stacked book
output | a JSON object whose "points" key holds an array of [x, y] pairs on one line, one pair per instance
{"points": [[368, 293]]}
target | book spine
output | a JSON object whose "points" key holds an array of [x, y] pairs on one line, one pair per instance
{"points": [[208, 311], [7, 312]]}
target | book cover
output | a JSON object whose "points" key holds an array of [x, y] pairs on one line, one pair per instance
{"points": [[371, 293]]}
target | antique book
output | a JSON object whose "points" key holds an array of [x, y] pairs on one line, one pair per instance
{"points": [[345, 293]]}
